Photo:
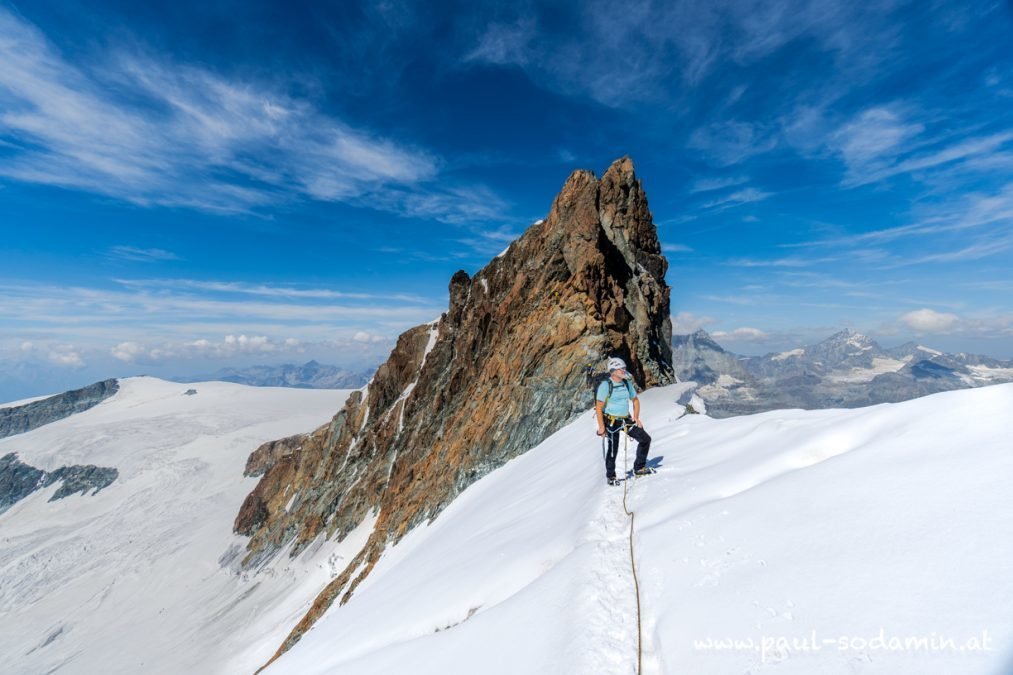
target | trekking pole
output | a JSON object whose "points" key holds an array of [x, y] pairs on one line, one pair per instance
{"points": [[626, 454]]}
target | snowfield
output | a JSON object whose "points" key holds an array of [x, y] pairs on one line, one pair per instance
{"points": [[836, 541], [873, 540], [879, 367], [141, 577]]}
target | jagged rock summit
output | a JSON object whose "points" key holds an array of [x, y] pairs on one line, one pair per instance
{"points": [[495, 375]]}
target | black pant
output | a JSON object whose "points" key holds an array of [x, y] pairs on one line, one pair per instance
{"points": [[613, 427]]}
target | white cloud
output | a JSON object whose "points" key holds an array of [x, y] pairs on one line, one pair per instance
{"points": [[66, 358], [743, 334], [226, 347], [233, 344], [930, 321], [676, 248], [685, 323], [363, 336], [875, 136], [127, 351]]}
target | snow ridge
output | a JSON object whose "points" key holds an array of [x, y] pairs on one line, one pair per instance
{"points": [[609, 604]]}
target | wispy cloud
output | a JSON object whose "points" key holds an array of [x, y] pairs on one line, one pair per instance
{"points": [[749, 299], [732, 142], [75, 312], [999, 285], [711, 184], [884, 141], [631, 56], [872, 138], [505, 43], [152, 132], [966, 149], [489, 241], [134, 254], [796, 261], [985, 248], [737, 198], [970, 211], [264, 290], [453, 205]]}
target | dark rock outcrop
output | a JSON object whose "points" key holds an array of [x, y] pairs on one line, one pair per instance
{"points": [[18, 480], [499, 372], [38, 413]]}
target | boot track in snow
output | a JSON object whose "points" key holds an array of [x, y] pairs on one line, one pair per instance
{"points": [[613, 607]]}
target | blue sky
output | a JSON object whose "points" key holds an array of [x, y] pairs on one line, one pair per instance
{"points": [[225, 183]]}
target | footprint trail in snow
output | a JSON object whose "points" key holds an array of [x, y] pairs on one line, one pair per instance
{"points": [[608, 600]]}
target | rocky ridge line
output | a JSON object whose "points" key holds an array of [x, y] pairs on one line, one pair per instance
{"points": [[23, 418]]}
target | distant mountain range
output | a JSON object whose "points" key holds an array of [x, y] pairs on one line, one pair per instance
{"points": [[847, 370], [310, 375]]}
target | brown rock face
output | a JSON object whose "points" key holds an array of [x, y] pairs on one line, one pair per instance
{"points": [[499, 372]]}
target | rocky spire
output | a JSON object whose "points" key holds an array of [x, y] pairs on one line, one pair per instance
{"points": [[499, 372]]}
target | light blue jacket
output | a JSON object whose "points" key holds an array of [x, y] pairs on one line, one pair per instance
{"points": [[619, 402]]}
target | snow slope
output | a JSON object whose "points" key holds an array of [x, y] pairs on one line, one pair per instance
{"points": [[873, 540], [142, 577]]}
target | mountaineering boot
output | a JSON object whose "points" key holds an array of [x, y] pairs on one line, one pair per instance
{"points": [[645, 471], [612, 480]]}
